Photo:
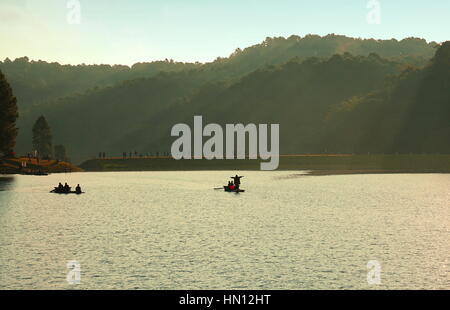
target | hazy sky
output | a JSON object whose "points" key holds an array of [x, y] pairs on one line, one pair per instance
{"points": [[129, 31]]}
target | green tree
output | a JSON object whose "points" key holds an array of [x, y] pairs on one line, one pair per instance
{"points": [[8, 117], [42, 137]]}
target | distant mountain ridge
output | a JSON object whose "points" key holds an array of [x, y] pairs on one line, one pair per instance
{"points": [[296, 82], [40, 81]]}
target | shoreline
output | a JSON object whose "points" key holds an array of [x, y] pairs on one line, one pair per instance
{"points": [[13, 166], [314, 164], [353, 172]]}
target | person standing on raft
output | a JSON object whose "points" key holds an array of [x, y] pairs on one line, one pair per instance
{"points": [[237, 181]]}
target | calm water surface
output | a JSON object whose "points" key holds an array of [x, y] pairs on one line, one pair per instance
{"points": [[171, 230]]}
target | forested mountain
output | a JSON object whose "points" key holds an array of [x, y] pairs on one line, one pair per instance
{"points": [[138, 115], [295, 95], [330, 94], [345, 104], [411, 114], [279, 50], [90, 122], [40, 81]]}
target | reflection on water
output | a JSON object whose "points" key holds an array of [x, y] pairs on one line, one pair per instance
{"points": [[6, 183], [171, 230]]}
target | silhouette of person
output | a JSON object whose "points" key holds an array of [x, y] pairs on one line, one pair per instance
{"points": [[237, 180]]}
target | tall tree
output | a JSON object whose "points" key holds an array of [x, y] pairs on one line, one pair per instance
{"points": [[8, 117], [42, 138]]}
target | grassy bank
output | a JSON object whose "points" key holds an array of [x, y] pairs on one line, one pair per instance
{"points": [[14, 166], [318, 163]]}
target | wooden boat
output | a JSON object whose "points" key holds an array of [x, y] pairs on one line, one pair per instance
{"points": [[227, 189], [56, 191]]}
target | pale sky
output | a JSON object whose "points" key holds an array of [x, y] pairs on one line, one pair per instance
{"points": [[130, 31]]}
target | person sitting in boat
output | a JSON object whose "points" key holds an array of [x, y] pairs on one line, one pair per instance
{"points": [[78, 189], [237, 180], [60, 187], [66, 188], [231, 185]]}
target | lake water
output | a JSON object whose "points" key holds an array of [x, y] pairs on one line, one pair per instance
{"points": [[171, 230]]}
